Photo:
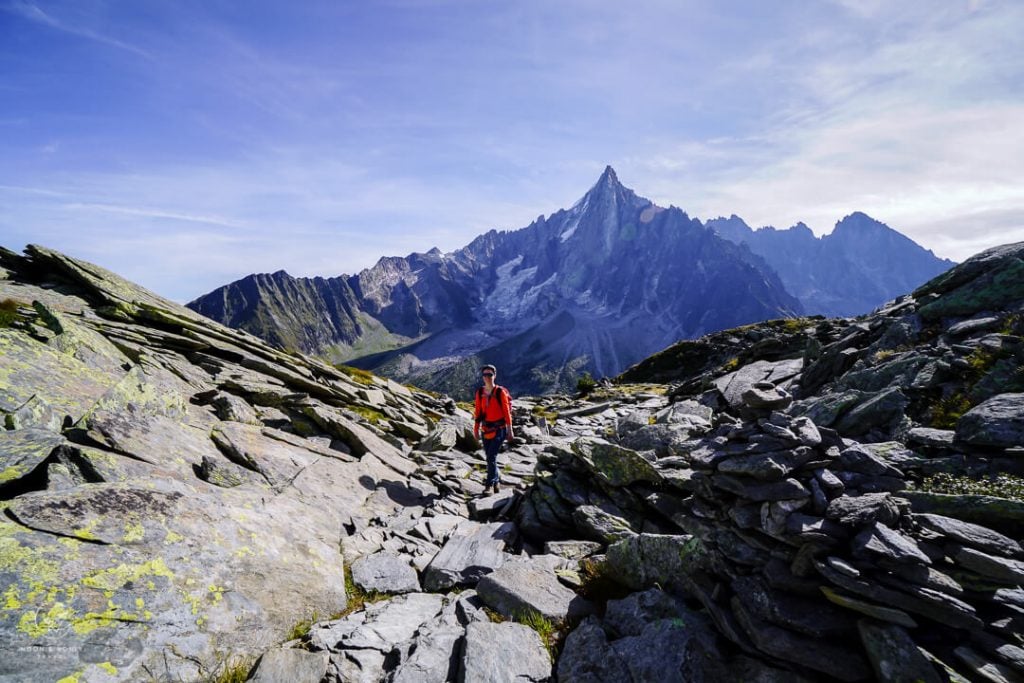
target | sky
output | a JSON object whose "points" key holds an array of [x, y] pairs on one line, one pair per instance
{"points": [[187, 143]]}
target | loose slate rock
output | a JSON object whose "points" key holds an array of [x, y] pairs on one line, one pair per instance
{"points": [[287, 665], [385, 572], [882, 542], [999, 569], [999, 421], [522, 588], [472, 551], [505, 652], [894, 655], [864, 509], [22, 450], [572, 550], [973, 535]]}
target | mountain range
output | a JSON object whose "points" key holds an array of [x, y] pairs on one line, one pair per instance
{"points": [[594, 288]]}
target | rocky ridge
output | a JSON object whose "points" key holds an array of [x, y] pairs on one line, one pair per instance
{"points": [[850, 271], [736, 522]]}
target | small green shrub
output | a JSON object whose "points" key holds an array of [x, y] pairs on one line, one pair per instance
{"points": [[301, 628], [1012, 324], [948, 410], [548, 630], [231, 670], [8, 312], [585, 384], [999, 486], [980, 362]]}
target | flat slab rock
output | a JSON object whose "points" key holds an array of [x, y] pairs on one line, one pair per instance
{"points": [[288, 665], [523, 587], [385, 572], [386, 624], [472, 551], [999, 421], [504, 653]]}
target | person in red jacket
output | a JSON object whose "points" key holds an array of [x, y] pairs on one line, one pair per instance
{"points": [[494, 420]]}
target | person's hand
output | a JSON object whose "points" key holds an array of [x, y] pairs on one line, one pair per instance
{"points": [[476, 434]]}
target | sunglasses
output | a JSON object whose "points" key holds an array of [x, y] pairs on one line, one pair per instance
{"points": [[488, 374]]}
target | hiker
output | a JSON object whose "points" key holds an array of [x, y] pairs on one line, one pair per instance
{"points": [[494, 420]]}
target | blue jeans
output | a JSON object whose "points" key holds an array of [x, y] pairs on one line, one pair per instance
{"points": [[491, 448]]}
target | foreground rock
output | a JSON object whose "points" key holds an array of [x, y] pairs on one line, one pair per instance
{"points": [[168, 498]]}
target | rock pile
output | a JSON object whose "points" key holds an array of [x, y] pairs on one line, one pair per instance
{"points": [[796, 543]]}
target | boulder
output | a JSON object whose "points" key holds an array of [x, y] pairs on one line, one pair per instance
{"points": [[505, 652], [881, 411], [522, 588], [974, 535], [765, 396], [880, 542], [646, 560], [771, 466], [599, 525], [472, 551], [998, 422], [864, 509], [385, 572], [894, 655], [383, 625], [733, 385], [23, 450], [586, 656], [616, 465], [288, 665]]}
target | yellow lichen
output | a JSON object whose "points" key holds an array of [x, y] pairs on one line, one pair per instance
{"points": [[173, 537], [11, 600], [12, 472], [133, 531], [86, 532], [114, 578], [36, 623], [108, 667]]}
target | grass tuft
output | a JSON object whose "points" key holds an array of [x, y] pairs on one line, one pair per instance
{"points": [[231, 670], [948, 410], [585, 384], [364, 377], [8, 312], [301, 628]]}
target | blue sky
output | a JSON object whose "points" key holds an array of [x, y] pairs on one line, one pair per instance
{"points": [[187, 143]]}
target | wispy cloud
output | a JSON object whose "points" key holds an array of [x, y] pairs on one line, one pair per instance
{"points": [[33, 12], [319, 138]]}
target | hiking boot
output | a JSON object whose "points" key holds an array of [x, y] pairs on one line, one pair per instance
{"points": [[496, 489]]}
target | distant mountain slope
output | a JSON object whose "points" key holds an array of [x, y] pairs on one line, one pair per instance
{"points": [[596, 287], [860, 265]]}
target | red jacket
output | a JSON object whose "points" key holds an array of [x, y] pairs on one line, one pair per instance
{"points": [[494, 408]]}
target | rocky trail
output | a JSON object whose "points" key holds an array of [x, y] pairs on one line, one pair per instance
{"points": [[803, 500]]}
